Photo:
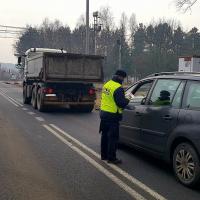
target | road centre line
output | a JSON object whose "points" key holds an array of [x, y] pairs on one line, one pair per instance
{"points": [[14, 100], [119, 170], [31, 113], [103, 170], [40, 119], [114, 167], [24, 108], [6, 91], [9, 99]]}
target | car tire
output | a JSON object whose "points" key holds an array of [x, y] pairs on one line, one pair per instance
{"points": [[186, 164], [40, 102], [26, 100], [34, 98]]}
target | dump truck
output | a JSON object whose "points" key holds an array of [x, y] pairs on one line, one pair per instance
{"points": [[53, 77]]}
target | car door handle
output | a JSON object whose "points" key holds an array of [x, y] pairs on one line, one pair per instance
{"points": [[167, 117]]}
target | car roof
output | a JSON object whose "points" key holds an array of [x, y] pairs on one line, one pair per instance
{"points": [[175, 75]]}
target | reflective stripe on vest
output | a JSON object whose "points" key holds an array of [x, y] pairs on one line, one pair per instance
{"points": [[107, 99]]}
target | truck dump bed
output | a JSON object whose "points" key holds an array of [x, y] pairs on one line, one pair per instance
{"points": [[64, 67]]}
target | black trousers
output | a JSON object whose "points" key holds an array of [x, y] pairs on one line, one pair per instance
{"points": [[109, 139]]}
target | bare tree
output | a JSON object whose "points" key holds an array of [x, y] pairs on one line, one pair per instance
{"points": [[81, 21], [132, 24], [123, 23], [185, 5], [106, 18]]}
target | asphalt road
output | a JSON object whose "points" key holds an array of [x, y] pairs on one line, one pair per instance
{"points": [[55, 155]]}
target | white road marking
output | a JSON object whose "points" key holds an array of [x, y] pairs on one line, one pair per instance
{"points": [[31, 113], [9, 99], [3, 92], [15, 101], [40, 119], [114, 167], [103, 170], [119, 170]]}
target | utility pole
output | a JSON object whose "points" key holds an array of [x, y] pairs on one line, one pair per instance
{"points": [[87, 28], [0, 72]]}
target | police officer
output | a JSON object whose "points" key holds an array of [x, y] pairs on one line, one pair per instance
{"points": [[112, 102]]}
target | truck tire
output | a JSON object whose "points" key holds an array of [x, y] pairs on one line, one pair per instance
{"points": [[40, 102], [26, 100], [34, 98], [186, 164]]}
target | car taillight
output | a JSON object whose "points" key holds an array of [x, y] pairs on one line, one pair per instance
{"points": [[48, 91], [91, 91]]}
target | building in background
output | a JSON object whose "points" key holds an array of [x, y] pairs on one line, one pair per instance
{"points": [[189, 63]]}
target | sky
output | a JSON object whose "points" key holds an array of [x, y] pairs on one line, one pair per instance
{"points": [[23, 12]]}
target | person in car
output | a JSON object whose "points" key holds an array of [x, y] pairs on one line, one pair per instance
{"points": [[164, 98], [112, 102]]}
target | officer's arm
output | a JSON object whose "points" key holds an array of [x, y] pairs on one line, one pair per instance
{"points": [[119, 98]]}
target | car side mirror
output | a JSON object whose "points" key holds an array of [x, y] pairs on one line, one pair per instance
{"points": [[143, 101]]}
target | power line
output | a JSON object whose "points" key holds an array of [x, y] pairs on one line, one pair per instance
{"points": [[7, 37], [15, 27], [11, 31]]}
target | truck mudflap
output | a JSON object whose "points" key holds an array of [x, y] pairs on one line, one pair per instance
{"points": [[86, 107], [67, 103]]}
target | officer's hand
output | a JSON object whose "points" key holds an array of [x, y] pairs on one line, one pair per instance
{"points": [[129, 96]]}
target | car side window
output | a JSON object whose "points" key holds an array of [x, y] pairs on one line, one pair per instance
{"points": [[193, 95], [140, 91], [163, 92]]}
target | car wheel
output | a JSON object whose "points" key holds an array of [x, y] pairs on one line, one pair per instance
{"points": [[186, 164], [33, 99]]}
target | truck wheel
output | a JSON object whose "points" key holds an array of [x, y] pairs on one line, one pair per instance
{"points": [[34, 99], [26, 100], [186, 164], [40, 102]]}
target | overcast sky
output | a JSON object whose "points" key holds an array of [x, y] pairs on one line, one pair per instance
{"points": [[23, 12]]}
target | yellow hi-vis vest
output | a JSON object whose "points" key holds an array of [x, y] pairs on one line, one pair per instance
{"points": [[107, 99]]}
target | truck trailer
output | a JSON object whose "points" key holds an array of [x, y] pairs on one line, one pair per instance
{"points": [[53, 77]]}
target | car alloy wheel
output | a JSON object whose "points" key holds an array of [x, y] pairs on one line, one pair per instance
{"points": [[186, 164]]}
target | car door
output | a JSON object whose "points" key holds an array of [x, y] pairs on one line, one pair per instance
{"points": [[130, 129], [160, 114], [189, 116]]}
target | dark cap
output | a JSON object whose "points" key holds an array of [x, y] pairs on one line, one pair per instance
{"points": [[120, 72]]}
